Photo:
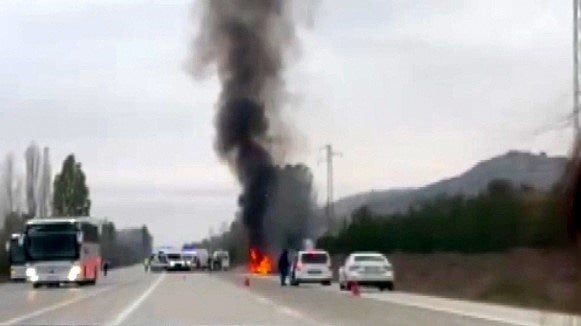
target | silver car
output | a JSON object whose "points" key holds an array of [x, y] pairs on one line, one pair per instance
{"points": [[367, 269]]}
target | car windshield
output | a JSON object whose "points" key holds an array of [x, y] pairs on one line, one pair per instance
{"points": [[369, 259], [314, 258], [51, 246], [174, 257]]}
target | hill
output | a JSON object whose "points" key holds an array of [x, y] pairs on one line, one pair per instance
{"points": [[521, 168]]}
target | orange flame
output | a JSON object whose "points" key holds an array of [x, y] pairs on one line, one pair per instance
{"points": [[259, 263]]}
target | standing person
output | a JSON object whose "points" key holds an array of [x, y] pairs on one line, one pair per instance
{"points": [[283, 267], [147, 263], [105, 267]]}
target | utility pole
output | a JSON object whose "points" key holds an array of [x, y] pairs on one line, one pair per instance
{"points": [[329, 210], [576, 92]]}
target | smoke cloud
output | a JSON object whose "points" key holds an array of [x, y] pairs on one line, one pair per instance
{"points": [[247, 41]]}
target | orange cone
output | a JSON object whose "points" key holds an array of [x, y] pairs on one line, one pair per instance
{"points": [[246, 281], [355, 291]]}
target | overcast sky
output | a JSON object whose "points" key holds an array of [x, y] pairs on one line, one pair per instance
{"points": [[409, 91]]}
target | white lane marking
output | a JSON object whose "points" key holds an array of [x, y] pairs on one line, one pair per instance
{"points": [[458, 312], [130, 309], [285, 310], [42, 311], [290, 312]]}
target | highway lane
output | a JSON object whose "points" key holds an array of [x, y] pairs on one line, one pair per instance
{"points": [[131, 297], [411, 308]]}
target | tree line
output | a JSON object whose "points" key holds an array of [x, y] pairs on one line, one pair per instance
{"points": [[502, 217], [68, 196]]}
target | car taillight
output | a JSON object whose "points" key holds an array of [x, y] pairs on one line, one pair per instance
{"points": [[299, 266]]}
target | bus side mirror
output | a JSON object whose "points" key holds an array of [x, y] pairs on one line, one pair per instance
{"points": [[21, 240], [79, 237]]}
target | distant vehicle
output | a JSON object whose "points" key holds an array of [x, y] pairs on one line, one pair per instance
{"points": [[16, 257], [203, 255], [221, 259], [367, 269], [62, 250], [311, 266], [176, 262], [158, 262], [191, 259]]}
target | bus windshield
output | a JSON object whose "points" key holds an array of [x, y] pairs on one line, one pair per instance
{"points": [[52, 246], [16, 252]]}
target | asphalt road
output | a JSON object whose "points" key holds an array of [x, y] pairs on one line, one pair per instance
{"points": [[131, 297]]}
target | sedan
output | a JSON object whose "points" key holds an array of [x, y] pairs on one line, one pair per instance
{"points": [[366, 269]]}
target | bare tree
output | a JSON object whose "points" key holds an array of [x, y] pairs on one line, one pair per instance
{"points": [[32, 159], [7, 195], [45, 183]]}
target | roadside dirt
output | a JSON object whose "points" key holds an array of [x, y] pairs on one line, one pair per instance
{"points": [[546, 279]]}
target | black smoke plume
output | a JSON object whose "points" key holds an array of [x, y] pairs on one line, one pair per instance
{"points": [[246, 40]]}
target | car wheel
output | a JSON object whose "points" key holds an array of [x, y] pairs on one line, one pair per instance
{"points": [[326, 283], [341, 287], [381, 288], [36, 285], [294, 282], [390, 286]]}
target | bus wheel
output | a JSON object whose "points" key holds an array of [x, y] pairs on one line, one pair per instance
{"points": [[94, 280]]}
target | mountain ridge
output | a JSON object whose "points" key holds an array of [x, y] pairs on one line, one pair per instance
{"points": [[521, 168]]}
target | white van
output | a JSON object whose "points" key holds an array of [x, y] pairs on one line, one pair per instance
{"points": [[311, 266], [221, 259], [176, 262]]}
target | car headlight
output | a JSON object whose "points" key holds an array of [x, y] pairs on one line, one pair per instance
{"points": [[74, 272], [30, 272]]}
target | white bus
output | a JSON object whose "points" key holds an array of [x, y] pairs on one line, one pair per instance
{"points": [[16, 258], [62, 250]]}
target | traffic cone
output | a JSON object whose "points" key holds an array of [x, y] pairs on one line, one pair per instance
{"points": [[246, 281], [355, 291]]}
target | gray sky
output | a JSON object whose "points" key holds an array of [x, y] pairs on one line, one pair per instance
{"points": [[409, 91]]}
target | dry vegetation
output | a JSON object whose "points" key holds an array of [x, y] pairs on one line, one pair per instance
{"points": [[546, 279]]}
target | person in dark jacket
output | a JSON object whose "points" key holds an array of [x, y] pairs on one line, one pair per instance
{"points": [[105, 267], [283, 267]]}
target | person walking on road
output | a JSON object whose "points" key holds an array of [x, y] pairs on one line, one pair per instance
{"points": [[105, 267], [283, 267]]}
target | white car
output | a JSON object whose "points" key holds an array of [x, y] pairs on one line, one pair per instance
{"points": [[367, 269], [221, 260], [312, 266], [157, 262]]}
